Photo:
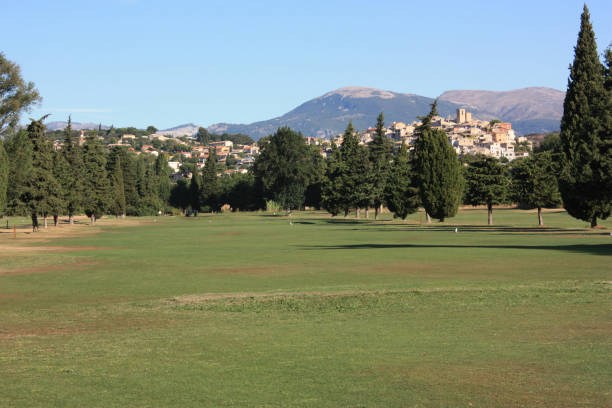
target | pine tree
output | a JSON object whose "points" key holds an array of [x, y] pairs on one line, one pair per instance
{"points": [[117, 206], [380, 159], [41, 193], [209, 194], [332, 193], [534, 182], [582, 178], [4, 170], [486, 184], [97, 195], [401, 189], [438, 170], [355, 180], [19, 149]]}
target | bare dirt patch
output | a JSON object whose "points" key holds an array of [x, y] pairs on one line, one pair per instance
{"points": [[268, 270], [48, 268]]}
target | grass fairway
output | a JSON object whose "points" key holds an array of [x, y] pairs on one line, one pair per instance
{"points": [[250, 310]]}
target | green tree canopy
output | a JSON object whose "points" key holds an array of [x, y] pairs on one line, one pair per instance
{"points": [[486, 184], [534, 183], [284, 167], [19, 149], [16, 95], [4, 172], [401, 189]]}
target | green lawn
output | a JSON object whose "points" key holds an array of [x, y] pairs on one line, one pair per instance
{"points": [[312, 311]]}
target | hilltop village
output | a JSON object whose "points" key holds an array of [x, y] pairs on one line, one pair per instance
{"points": [[466, 135]]}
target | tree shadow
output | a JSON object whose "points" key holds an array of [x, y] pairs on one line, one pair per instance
{"points": [[595, 249], [499, 229]]}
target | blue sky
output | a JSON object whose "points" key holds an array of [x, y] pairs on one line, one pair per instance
{"points": [[161, 63]]}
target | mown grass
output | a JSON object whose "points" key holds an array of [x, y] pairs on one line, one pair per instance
{"points": [[257, 310]]}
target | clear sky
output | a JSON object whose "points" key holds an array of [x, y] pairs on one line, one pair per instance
{"points": [[162, 63]]}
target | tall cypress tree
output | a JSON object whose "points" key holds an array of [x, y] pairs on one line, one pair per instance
{"points": [[380, 159], [3, 178], [486, 184], [438, 170], [195, 187], [401, 189], [96, 197], [584, 171], [606, 137], [73, 185], [210, 191], [162, 172], [63, 176]]}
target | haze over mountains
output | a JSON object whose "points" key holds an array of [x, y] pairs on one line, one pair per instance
{"points": [[531, 110]]}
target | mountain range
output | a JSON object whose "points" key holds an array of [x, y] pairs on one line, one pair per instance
{"points": [[59, 125], [531, 110]]}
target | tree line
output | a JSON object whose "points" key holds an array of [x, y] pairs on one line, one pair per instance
{"points": [[78, 179], [573, 168]]}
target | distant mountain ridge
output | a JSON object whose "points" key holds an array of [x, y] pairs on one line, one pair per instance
{"points": [[530, 110], [60, 125], [188, 129]]}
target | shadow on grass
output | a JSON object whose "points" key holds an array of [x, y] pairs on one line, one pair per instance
{"points": [[595, 249], [486, 228]]}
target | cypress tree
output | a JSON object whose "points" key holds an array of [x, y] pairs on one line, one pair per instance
{"points": [[534, 182], [210, 191], [438, 170], [73, 185], [97, 196], [63, 176], [129, 173], [4, 170], [401, 189], [606, 153], [162, 173], [584, 170], [486, 184], [195, 187], [380, 158]]}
